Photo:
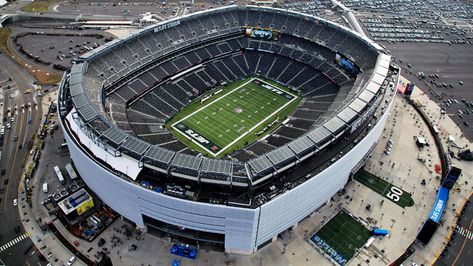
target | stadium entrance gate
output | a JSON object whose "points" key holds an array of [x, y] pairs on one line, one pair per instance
{"points": [[201, 239]]}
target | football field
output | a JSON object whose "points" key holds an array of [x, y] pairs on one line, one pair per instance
{"points": [[341, 237], [234, 117], [384, 188]]}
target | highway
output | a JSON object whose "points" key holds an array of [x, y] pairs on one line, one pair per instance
{"points": [[24, 118]]}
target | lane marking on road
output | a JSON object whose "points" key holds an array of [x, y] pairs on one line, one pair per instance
{"points": [[464, 232], [14, 242], [459, 254]]}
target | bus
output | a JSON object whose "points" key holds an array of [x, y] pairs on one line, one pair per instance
{"points": [[70, 171], [59, 174]]}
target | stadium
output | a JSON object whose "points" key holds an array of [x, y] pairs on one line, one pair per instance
{"points": [[226, 126]]}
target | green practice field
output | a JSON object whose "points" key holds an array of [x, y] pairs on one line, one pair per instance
{"points": [[233, 116], [341, 237], [385, 189]]}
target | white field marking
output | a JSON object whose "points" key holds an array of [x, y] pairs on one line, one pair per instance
{"points": [[248, 131], [13, 242], [464, 232]]}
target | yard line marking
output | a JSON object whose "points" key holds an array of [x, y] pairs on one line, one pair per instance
{"points": [[205, 106], [295, 97]]}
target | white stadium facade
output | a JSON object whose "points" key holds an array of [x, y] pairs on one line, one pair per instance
{"points": [[114, 100]]}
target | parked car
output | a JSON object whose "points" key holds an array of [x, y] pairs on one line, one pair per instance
{"points": [[71, 261]]}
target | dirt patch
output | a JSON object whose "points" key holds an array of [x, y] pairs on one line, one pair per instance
{"points": [[38, 6]]}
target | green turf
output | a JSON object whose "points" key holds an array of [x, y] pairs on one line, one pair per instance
{"points": [[384, 188], [344, 234], [233, 118]]}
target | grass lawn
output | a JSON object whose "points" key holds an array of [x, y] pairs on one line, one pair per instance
{"points": [[234, 116], [385, 189], [344, 234], [4, 35], [38, 6]]}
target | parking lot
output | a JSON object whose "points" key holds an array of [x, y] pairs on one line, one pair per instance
{"points": [[164, 9], [433, 43], [321, 8], [434, 10], [309, 7], [398, 29], [452, 64], [431, 21], [50, 49]]}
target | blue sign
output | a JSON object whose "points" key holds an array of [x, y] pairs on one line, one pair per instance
{"points": [[439, 205], [346, 64], [262, 34]]}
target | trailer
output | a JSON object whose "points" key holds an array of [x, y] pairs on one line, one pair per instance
{"points": [[379, 232], [70, 171]]}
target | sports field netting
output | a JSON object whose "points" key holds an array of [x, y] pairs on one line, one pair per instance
{"points": [[341, 237], [234, 115]]}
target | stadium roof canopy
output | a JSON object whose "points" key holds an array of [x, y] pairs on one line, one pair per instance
{"points": [[160, 155], [217, 166], [186, 161], [136, 145]]}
